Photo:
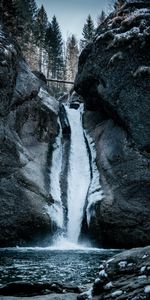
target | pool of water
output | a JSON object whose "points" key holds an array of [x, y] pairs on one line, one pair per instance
{"points": [[76, 265]]}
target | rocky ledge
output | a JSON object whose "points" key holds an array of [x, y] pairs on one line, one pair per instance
{"points": [[126, 276], [28, 127], [114, 80]]}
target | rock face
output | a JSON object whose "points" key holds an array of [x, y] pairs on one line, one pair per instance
{"points": [[28, 127], [114, 80], [123, 277]]}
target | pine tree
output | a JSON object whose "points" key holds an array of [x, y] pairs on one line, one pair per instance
{"points": [[48, 39], [32, 10], [119, 3], [54, 45], [41, 23], [72, 54], [101, 18], [88, 32], [7, 14]]}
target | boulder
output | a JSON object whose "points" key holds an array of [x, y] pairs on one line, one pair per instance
{"points": [[123, 277], [114, 80], [28, 127]]}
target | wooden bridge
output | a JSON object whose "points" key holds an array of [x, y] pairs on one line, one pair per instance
{"points": [[59, 81]]}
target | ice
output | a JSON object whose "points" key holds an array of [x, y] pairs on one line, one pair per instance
{"points": [[95, 192], [56, 210]]}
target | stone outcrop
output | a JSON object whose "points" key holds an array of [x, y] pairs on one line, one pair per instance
{"points": [[114, 80], [125, 276], [28, 127]]}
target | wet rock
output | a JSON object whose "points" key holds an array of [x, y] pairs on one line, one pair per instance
{"points": [[28, 127], [125, 276], [113, 78], [26, 289]]}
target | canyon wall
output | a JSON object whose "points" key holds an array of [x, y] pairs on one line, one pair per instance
{"points": [[114, 80]]}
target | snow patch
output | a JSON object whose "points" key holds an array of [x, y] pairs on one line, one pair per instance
{"points": [[48, 101], [142, 270], [147, 289], [142, 70], [116, 293], [142, 277], [87, 294], [122, 264], [108, 286], [103, 274]]}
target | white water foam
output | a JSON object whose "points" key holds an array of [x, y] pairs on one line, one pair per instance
{"points": [[79, 174]]}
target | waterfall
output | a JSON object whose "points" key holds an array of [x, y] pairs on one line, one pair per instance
{"points": [[79, 174], [55, 210]]}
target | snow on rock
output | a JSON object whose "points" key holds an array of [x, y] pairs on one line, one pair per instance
{"points": [[142, 277], [122, 264], [116, 294], [48, 100], [97, 280], [141, 71], [108, 286], [142, 270], [86, 295], [115, 58], [147, 289], [103, 274], [101, 267]]}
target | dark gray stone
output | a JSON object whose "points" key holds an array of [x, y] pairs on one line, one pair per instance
{"points": [[28, 127], [113, 78], [124, 277]]}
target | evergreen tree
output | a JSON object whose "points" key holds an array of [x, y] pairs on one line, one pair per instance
{"points": [[88, 32], [32, 10], [101, 18], [41, 23], [53, 41], [7, 14], [22, 16], [48, 39], [72, 54], [119, 3]]}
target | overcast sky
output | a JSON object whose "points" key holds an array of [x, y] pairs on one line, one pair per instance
{"points": [[71, 14]]}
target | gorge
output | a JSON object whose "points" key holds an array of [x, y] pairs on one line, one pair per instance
{"points": [[74, 172]]}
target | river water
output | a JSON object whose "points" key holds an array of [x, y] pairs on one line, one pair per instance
{"points": [[77, 266]]}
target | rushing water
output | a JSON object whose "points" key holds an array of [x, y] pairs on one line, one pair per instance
{"points": [[78, 266], [79, 174]]}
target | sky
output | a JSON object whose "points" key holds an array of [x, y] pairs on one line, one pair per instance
{"points": [[72, 14]]}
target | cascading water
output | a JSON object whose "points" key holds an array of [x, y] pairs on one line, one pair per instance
{"points": [[55, 210], [81, 188], [79, 174]]}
